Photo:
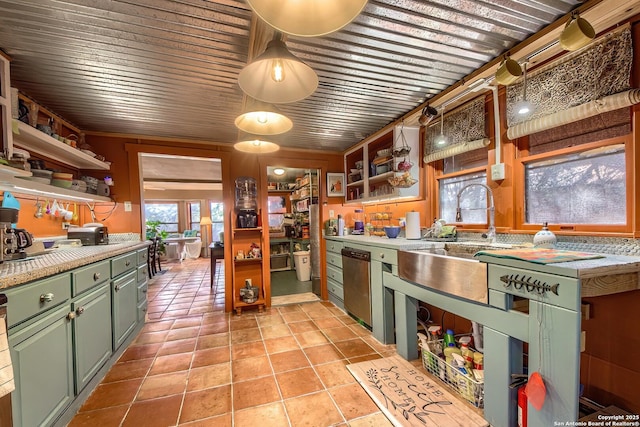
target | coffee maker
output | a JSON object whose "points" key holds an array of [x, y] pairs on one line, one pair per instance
{"points": [[13, 241], [246, 202]]}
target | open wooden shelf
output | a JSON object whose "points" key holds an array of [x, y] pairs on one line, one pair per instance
{"points": [[34, 141]]}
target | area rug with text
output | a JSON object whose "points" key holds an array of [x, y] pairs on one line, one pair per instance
{"points": [[408, 396]]}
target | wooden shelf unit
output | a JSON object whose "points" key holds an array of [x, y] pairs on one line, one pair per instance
{"points": [[247, 268]]}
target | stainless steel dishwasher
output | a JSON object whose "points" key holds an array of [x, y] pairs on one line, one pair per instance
{"points": [[355, 283]]}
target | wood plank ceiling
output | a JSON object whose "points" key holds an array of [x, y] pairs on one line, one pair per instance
{"points": [[168, 68]]}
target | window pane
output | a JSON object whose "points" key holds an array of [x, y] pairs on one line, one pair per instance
{"points": [[217, 219], [165, 213], [473, 198], [468, 160], [217, 212], [578, 189], [194, 209], [194, 214]]}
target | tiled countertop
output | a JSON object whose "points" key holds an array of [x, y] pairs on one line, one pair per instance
{"points": [[17, 272]]}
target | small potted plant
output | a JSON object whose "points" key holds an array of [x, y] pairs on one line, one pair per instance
{"points": [[153, 230]]}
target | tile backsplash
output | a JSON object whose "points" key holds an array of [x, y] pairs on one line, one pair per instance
{"points": [[605, 245]]}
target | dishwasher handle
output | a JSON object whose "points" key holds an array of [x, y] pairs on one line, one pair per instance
{"points": [[356, 254]]}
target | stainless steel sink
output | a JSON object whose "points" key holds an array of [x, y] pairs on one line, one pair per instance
{"points": [[453, 270], [463, 277]]}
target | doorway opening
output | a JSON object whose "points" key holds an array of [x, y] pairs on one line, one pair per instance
{"points": [[183, 194], [294, 230]]}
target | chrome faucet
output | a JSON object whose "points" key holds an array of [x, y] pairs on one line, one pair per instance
{"points": [[491, 232]]}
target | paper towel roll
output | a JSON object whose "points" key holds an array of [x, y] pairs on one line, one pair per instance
{"points": [[412, 230]]}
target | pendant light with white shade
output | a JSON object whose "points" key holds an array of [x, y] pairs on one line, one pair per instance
{"points": [[307, 18], [277, 76], [255, 144], [261, 118]]}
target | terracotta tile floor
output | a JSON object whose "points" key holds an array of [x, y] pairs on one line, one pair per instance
{"points": [[195, 365]]}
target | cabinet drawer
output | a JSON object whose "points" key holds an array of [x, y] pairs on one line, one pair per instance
{"points": [[142, 256], [35, 298], [334, 259], [142, 292], [143, 273], [334, 274], [335, 288], [536, 286], [142, 311], [333, 246], [90, 276], [123, 263], [389, 256]]}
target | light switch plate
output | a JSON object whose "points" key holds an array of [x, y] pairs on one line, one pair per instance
{"points": [[127, 206], [497, 172]]}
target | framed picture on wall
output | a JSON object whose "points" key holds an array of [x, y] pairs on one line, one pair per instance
{"points": [[335, 184]]}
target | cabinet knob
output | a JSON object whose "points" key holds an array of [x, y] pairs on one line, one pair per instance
{"points": [[382, 256], [127, 263], [116, 288], [144, 291], [79, 310], [46, 297], [96, 276], [71, 315]]}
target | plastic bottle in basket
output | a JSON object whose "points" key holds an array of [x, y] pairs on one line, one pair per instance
{"points": [[435, 349], [467, 353], [448, 358], [449, 338], [462, 378]]}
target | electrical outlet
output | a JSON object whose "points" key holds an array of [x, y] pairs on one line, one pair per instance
{"points": [[65, 225], [247, 282], [331, 213], [497, 172], [127, 206]]}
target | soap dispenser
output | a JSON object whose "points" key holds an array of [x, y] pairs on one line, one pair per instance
{"points": [[545, 238]]}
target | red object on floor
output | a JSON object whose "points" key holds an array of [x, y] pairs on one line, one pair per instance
{"points": [[522, 407]]}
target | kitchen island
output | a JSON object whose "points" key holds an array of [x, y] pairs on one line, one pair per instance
{"points": [[70, 315], [549, 322]]}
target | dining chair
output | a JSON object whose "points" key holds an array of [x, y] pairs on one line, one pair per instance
{"points": [[151, 258]]}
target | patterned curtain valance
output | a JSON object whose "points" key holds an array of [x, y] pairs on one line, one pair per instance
{"points": [[464, 129], [577, 78]]}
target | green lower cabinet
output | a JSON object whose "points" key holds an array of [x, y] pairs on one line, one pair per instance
{"points": [[124, 291], [43, 367], [92, 334]]}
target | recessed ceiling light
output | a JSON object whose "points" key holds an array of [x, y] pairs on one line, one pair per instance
{"points": [[279, 171]]}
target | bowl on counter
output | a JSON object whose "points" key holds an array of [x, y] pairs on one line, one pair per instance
{"points": [[392, 231]]}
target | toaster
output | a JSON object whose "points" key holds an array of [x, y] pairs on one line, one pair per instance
{"points": [[89, 235]]}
